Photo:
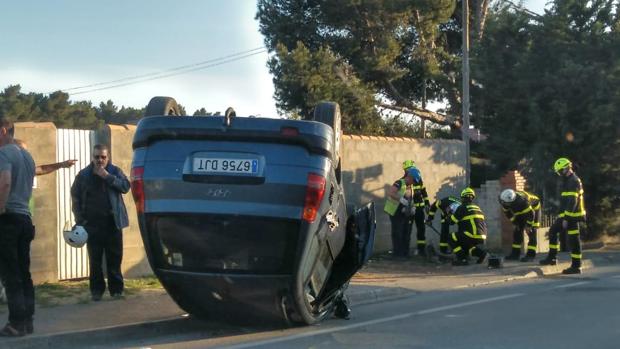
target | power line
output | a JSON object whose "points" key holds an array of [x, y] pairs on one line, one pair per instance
{"points": [[168, 72]]}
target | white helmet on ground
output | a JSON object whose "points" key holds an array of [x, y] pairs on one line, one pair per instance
{"points": [[76, 237], [508, 195]]}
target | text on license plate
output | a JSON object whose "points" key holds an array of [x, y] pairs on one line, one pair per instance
{"points": [[223, 165]]}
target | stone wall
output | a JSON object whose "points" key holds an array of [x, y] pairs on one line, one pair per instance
{"points": [[486, 198], [372, 164], [41, 143]]}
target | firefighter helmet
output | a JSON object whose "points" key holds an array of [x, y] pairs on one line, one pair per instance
{"points": [[468, 193], [415, 173], [408, 163], [508, 195], [76, 237], [561, 164]]}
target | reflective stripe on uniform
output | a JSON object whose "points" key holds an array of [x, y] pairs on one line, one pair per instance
{"points": [[576, 256], [528, 209], [475, 236], [554, 247], [454, 237], [573, 232], [533, 248], [421, 242], [457, 249], [471, 249], [443, 244], [516, 246]]}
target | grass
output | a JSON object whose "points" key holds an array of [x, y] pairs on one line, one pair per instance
{"points": [[77, 292]]}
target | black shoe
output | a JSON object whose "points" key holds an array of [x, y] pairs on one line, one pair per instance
{"points": [[12, 331], [548, 261], [460, 262], [117, 295], [29, 327], [342, 310], [512, 257], [96, 297], [482, 257], [527, 258], [422, 252], [572, 270]]}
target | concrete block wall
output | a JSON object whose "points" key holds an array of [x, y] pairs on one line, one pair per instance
{"points": [[486, 198], [372, 164], [40, 138]]}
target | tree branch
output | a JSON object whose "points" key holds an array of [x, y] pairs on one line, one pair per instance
{"points": [[424, 114]]}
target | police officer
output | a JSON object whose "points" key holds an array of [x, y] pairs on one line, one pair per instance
{"points": [[472, 229], [523, 210], [442, 205], [572, 213]]}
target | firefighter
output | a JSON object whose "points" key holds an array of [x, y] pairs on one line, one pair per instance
{"points": [[442, 205], [572, 213], [398, 206], [472, 229], [523, 209]]}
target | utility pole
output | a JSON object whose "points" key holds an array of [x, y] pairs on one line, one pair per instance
{"points": [[465, 96], [423, 123]]}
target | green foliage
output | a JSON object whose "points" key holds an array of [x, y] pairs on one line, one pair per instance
{"points": [[56, 108], [551, 87], [361, 55]]}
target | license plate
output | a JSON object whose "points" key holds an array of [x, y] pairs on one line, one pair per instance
{"points": [[226, 165]]}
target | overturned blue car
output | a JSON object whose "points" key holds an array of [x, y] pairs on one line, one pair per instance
{"points": [[245, 217]]}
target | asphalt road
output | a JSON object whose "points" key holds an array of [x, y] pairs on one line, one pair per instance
{"points": [[554, 312]]}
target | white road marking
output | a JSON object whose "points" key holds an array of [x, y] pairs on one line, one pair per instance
{"points": [[573, 284], [369, 322]]}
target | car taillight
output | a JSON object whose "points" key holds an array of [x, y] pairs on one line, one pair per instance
{"points": [[137, 187], [289, 131], [314, 195]]}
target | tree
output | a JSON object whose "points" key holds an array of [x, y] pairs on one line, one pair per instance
{"points": [[383, 53], [548, 88]]}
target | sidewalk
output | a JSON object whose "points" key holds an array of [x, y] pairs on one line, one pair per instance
{"points": [[383, 279]]}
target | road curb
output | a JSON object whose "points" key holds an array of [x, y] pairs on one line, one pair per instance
{"points": [[379, 295]]}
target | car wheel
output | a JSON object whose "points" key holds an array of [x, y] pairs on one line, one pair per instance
{"points": [[329, 114], [162, 106]]}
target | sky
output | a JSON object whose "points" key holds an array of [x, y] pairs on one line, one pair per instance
{"points": [[63, 44]]}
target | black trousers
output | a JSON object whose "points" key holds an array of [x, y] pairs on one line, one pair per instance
{"points": [[444, 237], [520, 225], [105, 239], [418, 218], [572, 237], [16, 234], [401, 233], [463, 246]]}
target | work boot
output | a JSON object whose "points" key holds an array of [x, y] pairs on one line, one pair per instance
{"points": [[342, 310], [527, 258], [572, 270], [422, 250], [460, 262], [481, 257], [513, 256], [548, 261]]}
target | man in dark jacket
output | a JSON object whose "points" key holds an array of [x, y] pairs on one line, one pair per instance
{"points": [[98, 205]]}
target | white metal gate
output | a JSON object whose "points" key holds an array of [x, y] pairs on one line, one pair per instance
{"points": [[71, 144]]}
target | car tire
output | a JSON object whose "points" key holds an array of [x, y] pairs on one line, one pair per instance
{"points": [[329, 114], [162, 106]]}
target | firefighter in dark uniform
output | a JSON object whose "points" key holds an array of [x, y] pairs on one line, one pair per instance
{"points": [[523, 209], [421, 206], [572, 213], [398, 206], [472, 229], [442, 205]]}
